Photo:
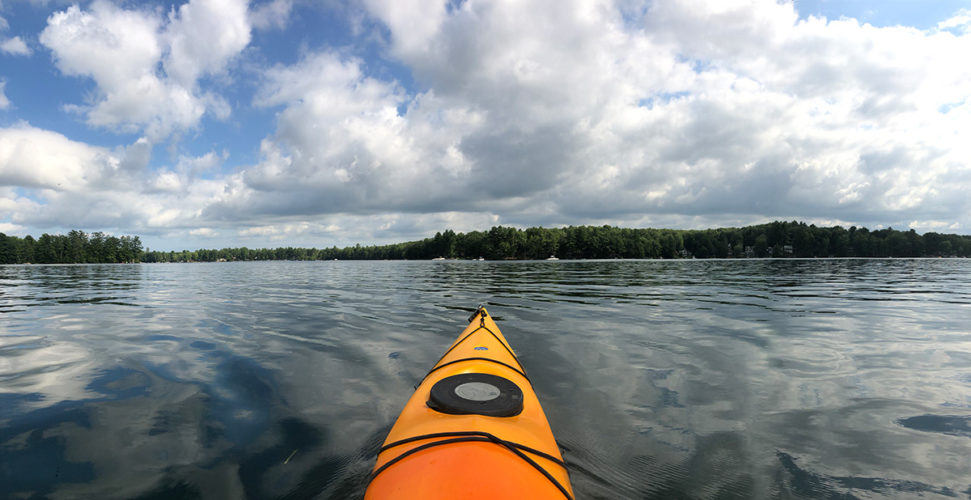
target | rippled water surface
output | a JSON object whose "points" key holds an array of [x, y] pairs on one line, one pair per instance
{"points": [[694, 379]]}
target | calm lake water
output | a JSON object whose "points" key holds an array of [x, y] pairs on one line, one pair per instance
{"points": [[661, 379]]}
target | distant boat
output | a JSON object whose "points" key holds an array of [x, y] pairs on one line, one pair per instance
{"points": [[552, 257], [439, 258], [480, 258]]}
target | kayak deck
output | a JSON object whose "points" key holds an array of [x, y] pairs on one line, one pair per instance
{"points": [[474, 428]]}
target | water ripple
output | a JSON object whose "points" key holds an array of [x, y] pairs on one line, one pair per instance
{"points": [[687, 379]]}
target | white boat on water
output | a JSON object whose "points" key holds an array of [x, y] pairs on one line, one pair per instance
{"points": [[552, 257], [439, 258]]}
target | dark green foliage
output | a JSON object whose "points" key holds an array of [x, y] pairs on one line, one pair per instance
{"points": [[776, 239], [75, 247]]}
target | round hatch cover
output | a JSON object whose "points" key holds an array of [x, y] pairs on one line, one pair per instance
{"points": [[478, 394], [477, 391]]}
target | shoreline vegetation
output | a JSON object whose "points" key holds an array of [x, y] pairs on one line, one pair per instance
{"points": [[776, 240]]}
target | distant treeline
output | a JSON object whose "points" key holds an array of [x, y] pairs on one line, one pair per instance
{"points": [[776, 239], [72, 248]]}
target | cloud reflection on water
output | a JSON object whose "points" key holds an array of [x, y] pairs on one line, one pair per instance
{"points": [[688, 378]]}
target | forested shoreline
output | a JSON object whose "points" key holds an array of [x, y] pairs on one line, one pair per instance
{"points": [[777, 239], [76, 247]]}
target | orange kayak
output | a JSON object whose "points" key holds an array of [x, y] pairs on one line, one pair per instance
{"points": [[473, 429]]}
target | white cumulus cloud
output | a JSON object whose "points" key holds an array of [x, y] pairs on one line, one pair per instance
{"points": [[559, 112], [35, 158], [203, 36], [342, 146], [695, 107], [15, 46], [146, 67], [4, 102], [273, 14], [663, 112], [73, 184], [960, 22]]}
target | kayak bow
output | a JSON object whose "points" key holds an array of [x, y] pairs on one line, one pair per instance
{"points": [[473, 429]]}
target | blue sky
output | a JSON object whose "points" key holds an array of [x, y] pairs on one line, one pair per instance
{"points": [[212, 123], [920, 14]]}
